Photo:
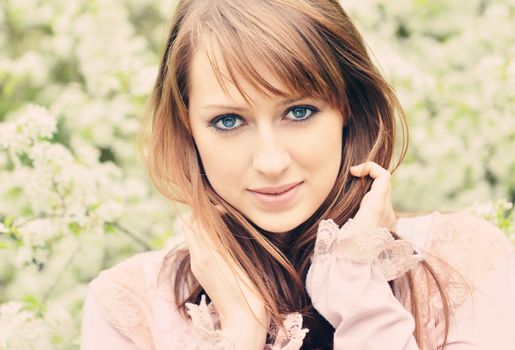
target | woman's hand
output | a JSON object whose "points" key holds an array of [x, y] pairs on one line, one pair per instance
{"points": [[214, 273], [376, 208]]}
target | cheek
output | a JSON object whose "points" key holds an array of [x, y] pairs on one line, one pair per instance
{"points": [[223, 163], [319, 150], [322, 162]]}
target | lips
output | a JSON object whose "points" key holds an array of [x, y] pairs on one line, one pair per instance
{"points": [[276, 190], [272, 199]]}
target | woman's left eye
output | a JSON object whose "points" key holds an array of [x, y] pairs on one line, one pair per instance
{"points": [[301, 113]]}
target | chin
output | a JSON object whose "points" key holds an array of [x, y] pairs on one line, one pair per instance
{"points": [[280, 229], [280, 223]]}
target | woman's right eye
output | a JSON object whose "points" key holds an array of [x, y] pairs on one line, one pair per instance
{"points": [[226, 123]]}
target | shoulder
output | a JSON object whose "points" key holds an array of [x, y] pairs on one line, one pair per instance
{"points": [[462, 248], [131, 293], [474, 246], [135, 273], [455, 234], [143, 272]]}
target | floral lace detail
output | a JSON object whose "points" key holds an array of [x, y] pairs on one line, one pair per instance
{"points": [[291, 336], [206, 322], [124, 313], [462, 250], [377, 246], [121, 305]]}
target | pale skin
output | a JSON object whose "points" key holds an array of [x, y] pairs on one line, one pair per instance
{"points": [[239, 323], [273, 141]]}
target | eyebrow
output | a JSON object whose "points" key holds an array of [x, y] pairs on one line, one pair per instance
{"points": [[281, 103]]}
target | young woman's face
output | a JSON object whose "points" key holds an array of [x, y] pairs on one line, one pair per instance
{"points": [[272, 143]]}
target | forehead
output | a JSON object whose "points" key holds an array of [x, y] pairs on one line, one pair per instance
{"points": [[212, 78], [279, 48]]}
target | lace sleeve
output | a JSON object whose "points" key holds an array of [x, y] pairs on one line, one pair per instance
{"points": [[348, 285], [377, 246], [291, 335], [206, 323]]}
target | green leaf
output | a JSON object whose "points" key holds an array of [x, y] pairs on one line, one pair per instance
{"points": [[75, 228], [8, 221], [110, 228], [33, 304], [14, 192]]}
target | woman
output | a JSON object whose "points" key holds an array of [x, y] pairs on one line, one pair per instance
{"points": [[259, 112]]}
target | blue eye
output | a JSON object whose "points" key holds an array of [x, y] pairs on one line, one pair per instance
{"points": [[225, 123], [301, 113], [229, 122]]}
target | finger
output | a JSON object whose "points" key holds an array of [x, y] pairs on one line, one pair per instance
{"points": [[370, 168], [381, 185]]}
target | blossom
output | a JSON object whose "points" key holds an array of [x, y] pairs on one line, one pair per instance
{"points": [[32, 123], [20, 329], [69, 167]]}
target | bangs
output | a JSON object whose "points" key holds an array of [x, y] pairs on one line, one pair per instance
{"points": [[241, 40]]}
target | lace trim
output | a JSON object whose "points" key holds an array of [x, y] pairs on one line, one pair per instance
{"points": [[291, 336], [206, 322], [377, 246]]}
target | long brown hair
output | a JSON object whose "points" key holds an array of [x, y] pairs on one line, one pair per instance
{"points": [[315, 50]]}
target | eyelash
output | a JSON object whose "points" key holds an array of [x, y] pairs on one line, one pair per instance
{"points": [[212, 123]]}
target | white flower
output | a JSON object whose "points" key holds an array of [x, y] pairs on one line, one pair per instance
{"points": [[37, 122], [54, 155], [38, 231], [20, 329], [24, 256], [9, 138], [109, 211], [31, 124], [32, 65], [455, 80], [85, 152], [143, 80]]}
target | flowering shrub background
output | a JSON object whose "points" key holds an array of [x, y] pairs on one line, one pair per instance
{"points": [[75, 77]]}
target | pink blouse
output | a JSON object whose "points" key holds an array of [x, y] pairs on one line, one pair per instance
{"points": [[131, 306]]}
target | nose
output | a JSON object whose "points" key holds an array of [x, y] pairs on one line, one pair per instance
{"points": [[271, 158]]}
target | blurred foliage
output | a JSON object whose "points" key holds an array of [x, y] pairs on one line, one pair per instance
{"points": [[74, 80]]}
